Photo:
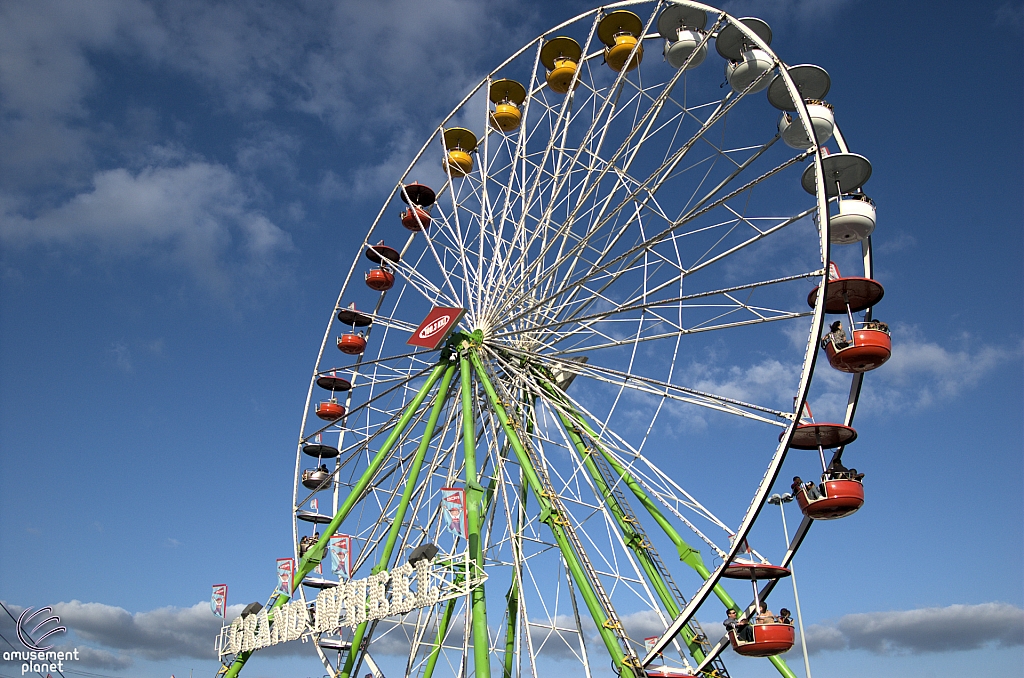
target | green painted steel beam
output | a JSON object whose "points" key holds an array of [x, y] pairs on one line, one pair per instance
{"points": [[314, 555], [687, 553], [355, 650], [550, 517], [474, 495], [632, 537]]}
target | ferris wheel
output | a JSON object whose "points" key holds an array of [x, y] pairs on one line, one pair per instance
{"points": [[572, 353]]}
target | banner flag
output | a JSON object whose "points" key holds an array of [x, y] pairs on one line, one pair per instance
{"points": [[315, 505], [219, 600], [340, 548], [453, 507], [285, 573]]}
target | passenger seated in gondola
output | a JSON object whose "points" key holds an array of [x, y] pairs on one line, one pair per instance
{"points": [[836, 335], [742, 628], [322, 468], [810, 488], [859, 477], [876, 325], [764, 615], [836, 471], [784, 617]]}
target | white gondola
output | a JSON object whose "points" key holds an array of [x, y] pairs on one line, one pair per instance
{"points": [[855, 220], [813, 83], [822, 120], [745, 61], [683, 30]]}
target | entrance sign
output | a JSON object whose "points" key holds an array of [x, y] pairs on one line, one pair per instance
{"points": [[351, 603], [436, 327]]}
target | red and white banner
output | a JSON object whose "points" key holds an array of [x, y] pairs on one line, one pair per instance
{"points": [[453, 507], [219, 600], [436, 327], [285, 574], [340, 548]]}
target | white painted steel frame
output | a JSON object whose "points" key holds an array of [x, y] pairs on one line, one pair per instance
{"points": [[495, 294]]}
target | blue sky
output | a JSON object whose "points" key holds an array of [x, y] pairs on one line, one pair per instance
{"points": [[182, 185]]}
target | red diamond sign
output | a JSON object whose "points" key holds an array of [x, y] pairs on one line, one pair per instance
{"points": [[436, 327]]}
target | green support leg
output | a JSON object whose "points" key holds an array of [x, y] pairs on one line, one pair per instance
{"points": [[512, 597], [446, 617], [687, 553], [474, 494], [355, 651], [579, 575], [314, 555], [634, 540]]}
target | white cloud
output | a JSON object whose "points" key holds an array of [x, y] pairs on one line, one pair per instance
{"points": [[158, 634], [197, 215], [46, 74], [122, 356], [921, 372], [935, 629], [1011, 15]]}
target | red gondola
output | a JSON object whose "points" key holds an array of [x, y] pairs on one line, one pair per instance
{"points": [[380, 279], [852, 295], [332, 382], [667, 672], [749, 570], [330, 410], [416, 219], [870, 348], [827, 436], [841, 498], [871, 345], [351, 344], [419, 198], [769, 640]]}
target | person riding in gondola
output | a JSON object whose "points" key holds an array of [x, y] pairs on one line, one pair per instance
{"points": [[785, 617], [810, 488], [742, 628], [836, 335], [836, 471], [876, 325], [764, 615]]}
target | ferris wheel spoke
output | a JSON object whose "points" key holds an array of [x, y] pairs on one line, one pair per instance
{"points": [[637, 251], [632, 305], [657, 387], [665, 169]]}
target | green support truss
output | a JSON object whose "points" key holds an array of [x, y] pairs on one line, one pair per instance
{"points": [[606, 472]]}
